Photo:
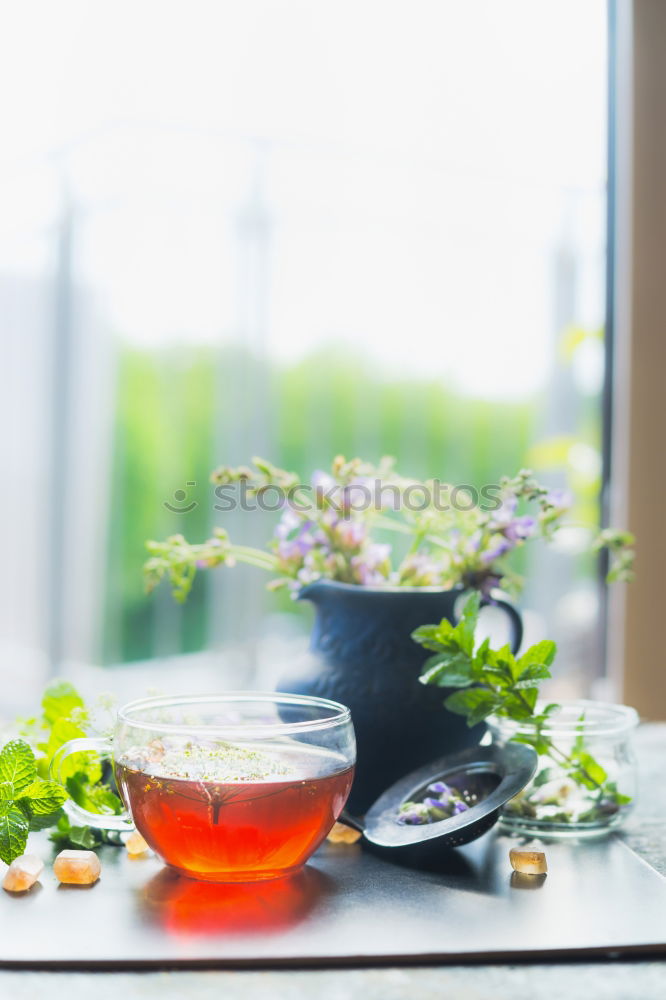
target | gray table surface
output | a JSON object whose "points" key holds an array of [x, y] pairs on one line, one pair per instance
{"points": [[635, 980]]}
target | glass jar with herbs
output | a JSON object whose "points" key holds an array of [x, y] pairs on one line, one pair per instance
{"points": [[585, 782]]}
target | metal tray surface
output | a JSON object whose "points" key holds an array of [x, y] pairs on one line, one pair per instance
{"points": [[349, 906]]}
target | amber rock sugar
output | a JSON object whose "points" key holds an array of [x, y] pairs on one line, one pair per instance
{"points": [[528, 862], [135, 845], [77, 867], [23, 873]]}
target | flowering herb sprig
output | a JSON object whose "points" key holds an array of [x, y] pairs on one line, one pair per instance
{"points": [[328, 530], [496, 683]]}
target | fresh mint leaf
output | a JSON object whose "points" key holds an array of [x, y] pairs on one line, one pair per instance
{"points": [[43, 797], [587, 771], [495, 666], [446, 669], [466, 627], [95, 798], [541, 652], [475, 703], [532, 674], [13, 831], [17, 768], [536, 740], [66, 835], [45, 821], [433, 636]]}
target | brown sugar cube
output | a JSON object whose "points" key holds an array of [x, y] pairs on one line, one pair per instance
{"points": [[528, 862], [343, 834], [77, 867], [23, 873]]}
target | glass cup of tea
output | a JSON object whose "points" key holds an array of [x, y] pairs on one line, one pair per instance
{"points": [[233, 787]]}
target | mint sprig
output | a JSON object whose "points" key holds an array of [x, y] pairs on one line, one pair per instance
{"points": [[492, 681], [495, 682], [65, 716], [27, 802]]}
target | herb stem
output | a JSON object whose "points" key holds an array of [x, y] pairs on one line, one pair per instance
{"points": [[555, 752]]}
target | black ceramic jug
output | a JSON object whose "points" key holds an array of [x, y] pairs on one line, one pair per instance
{"points": [[366, 659]]}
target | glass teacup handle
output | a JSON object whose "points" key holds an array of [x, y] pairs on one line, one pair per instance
{"points": [[101, 821]]}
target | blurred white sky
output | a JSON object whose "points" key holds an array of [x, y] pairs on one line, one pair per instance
{"points": [[420, 164]]}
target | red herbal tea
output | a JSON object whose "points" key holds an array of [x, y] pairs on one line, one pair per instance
{"points": [[226, 812]]}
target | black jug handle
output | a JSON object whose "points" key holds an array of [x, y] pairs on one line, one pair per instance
{"points": [[515, 620]]}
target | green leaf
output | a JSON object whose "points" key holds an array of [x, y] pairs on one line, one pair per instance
{"points": [[532, 674], [433, 636], [43, 797], [66, 835], [540, 743], [17, 768], [43, 822], [588, 771], [63, 730], [95, 798], [541, 652], [466, 627], [448, 637], [59, 700], [520, 706], [448, 670], [475, 703], [495, 667], [13, 832]]}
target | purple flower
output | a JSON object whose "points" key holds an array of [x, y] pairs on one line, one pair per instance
{"points": [[559, 499], [371, 567], [420, 570], [460, 807], [414, 814], [520, 528], [436, 804], [440, 788], [474, 542], [498, 550], [322, 481], [350, 534], [294, 536], [502, 517]]}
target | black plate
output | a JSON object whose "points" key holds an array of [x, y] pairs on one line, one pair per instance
{"points": [[495, 773]]}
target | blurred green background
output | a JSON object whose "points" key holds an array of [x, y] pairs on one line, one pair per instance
{"points": [[177, 418]]}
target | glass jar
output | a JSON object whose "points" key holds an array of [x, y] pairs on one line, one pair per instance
{"points": [[586, 781]]}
